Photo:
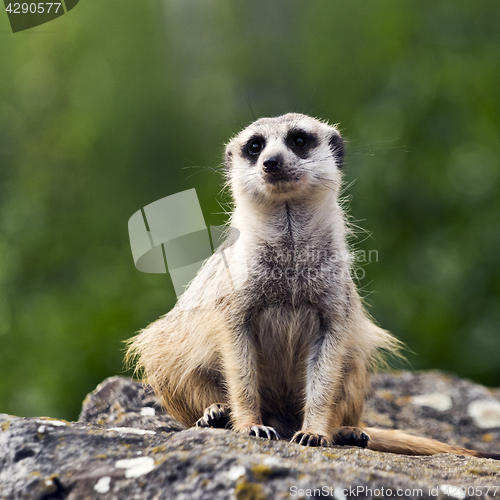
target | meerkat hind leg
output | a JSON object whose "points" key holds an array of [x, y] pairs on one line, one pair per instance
{"points": [[350, 436], [343, 436], [216, 415]]}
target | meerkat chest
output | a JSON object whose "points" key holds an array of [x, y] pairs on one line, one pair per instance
{"points": [[295, 274]]}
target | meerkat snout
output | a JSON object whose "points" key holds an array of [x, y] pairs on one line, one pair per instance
{"points": [[272, 165]]}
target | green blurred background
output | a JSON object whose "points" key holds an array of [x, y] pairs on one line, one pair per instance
{"points": [[102, 109]]}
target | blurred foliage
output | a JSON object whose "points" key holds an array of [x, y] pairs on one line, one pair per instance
{"points": [[101, 110]]}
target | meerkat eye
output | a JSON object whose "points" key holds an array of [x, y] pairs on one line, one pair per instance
{"points": [[300, 141], [255, 146]]}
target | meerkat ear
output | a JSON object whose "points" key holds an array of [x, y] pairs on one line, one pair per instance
{"points": [[336, 144]]}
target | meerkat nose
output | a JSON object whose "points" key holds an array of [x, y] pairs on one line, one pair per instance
{"points": [[272, 165]]}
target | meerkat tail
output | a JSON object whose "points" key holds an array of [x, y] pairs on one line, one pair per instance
{"points": [[395, 441]]}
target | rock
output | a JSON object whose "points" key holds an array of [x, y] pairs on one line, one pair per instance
{"points": [[398, 402], [122, 402], [124, 446]]}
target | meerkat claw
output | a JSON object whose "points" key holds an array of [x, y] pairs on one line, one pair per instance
{"points": [[264, 431], [216, 415], [306, 439]]}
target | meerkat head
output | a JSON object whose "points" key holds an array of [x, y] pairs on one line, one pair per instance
{"points": [[287, 157]]}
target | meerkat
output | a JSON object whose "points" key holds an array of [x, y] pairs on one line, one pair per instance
{"points": [[271, 338]]}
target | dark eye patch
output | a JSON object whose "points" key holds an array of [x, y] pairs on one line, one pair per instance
{"points": [[336, 144], [253, 147], [301, 142]]}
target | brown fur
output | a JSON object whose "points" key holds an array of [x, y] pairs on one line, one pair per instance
{"points": [[272, 327]]}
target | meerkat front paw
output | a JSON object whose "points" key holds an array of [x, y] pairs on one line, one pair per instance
{"points": [[262, 431], [350, 436], [216, 415], [307, 439]]}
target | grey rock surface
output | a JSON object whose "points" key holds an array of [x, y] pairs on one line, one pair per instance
{"points": [[124, 446]]}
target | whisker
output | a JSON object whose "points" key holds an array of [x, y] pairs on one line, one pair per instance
{"points": [[347, 187], [368, 150], [200, 168], [204, 167]]}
